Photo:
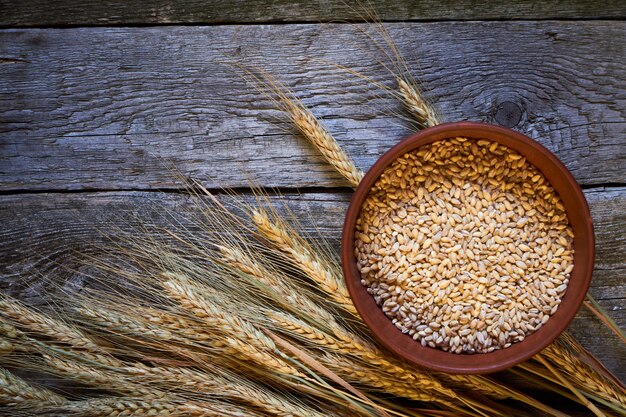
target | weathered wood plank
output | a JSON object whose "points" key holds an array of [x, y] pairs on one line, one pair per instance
{"points": [[90, 12], [97, 108], [43, 232]]}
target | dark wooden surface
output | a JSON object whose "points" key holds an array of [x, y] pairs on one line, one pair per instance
{"points": [[97, 98], [102, 13]]}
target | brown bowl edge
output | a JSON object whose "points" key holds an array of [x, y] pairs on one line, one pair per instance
{"points": [[584, 243]]}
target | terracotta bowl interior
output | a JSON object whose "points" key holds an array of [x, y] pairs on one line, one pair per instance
{"points": [[580, 219]]}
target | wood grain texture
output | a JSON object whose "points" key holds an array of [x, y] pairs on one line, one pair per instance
{"points": [[44, 232], [90, 12], [101, 108]]}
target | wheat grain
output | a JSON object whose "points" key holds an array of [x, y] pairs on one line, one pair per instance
{"points": [[464, 246]]}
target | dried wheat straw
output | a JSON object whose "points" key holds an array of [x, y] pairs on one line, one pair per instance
{"points": [[14, 391]]}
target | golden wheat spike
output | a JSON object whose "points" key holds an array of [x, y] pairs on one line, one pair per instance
{"points": [[304, 120], [582, 375], [416, 105], [65, 335], [90, 374], [241, 337], [351, 345], [313, 130], [235, 388], [141, 406], [14, 391], [282, 292], [289, 243]]}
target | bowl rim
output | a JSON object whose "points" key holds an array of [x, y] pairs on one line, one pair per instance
{"points": [[579, 216]]}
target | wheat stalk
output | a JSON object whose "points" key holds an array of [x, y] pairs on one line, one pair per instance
{"points": [[65, 335], [290, 244], [14, 391]]}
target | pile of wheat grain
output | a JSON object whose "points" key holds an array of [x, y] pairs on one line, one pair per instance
{"points": [[464, 245]]}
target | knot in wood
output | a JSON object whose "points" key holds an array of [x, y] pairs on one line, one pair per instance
{"points": [[508, 114]]}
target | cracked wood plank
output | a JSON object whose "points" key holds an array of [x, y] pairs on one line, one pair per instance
{"points": [[90, 12], [109, 108]]}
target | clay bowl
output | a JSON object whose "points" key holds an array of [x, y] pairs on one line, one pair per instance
{"points": [[577, 210]]}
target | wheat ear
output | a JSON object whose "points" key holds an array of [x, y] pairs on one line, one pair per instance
{"points": [[351, 345], [475, 383], [582, 375], [290, 244], [126, 325], [305, 122], [284, 294], [592, 407], [14, 391], [343, 342], [88, 374], [243, 391], [125, 407], [312, 129], [65, 335], [416, 105], [242, 338], [366, 373], [356, 373]]}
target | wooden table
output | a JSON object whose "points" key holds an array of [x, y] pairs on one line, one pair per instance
{"points": [[96, 99]]}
